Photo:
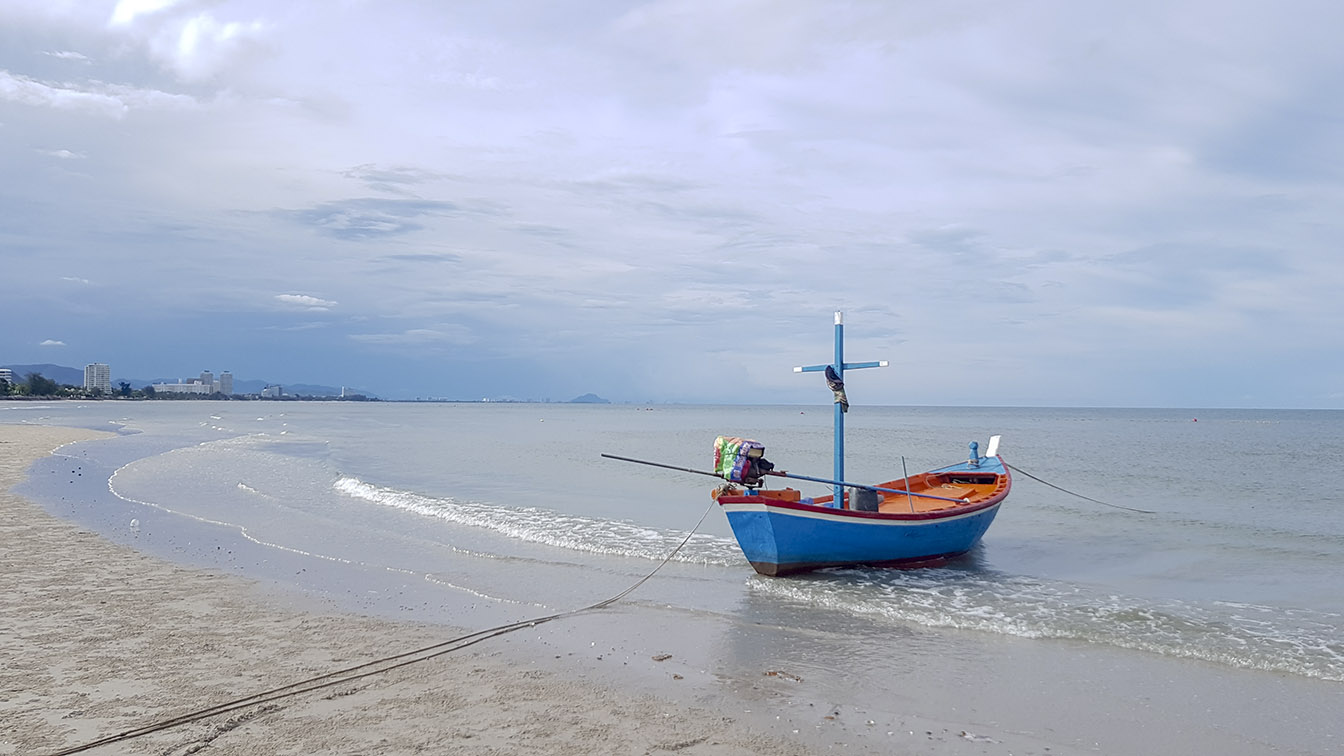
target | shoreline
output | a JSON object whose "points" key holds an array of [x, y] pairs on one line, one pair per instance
{"points": [[104, 639]]}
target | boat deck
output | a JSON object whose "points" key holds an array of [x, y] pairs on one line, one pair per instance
{"points": [[949, 491], [897, 503]]}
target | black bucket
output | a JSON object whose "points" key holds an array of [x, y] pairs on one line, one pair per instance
{"points": [[863, 500]]}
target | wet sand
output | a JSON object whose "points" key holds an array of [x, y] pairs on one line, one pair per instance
{"points": [[99, 639]]}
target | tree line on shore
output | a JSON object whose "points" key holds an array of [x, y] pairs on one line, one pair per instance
{"points": [[35, 385], [38, 385]]}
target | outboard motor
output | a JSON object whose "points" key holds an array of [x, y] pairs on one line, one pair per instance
{"points": [[755, 470]]}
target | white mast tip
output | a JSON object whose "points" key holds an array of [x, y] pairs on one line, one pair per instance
{"points": [[797, 370], [839, 318]]}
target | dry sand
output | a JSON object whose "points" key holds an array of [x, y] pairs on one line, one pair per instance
{"points": [[97, 638]]}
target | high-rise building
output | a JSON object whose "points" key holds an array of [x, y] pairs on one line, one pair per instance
{"points": [[226, 383], [208, 378], [98, 376]]}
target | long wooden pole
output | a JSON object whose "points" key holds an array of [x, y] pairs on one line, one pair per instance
{"points": [[782, 474], [906, 474]]}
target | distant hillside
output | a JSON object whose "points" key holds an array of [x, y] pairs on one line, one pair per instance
{"points": [[65, 376], [589, 399]]}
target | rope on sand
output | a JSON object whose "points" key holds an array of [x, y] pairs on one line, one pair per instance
{"points": [[375, 667]]}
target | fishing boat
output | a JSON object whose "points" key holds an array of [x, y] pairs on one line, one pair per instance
{"points": [[921, 520], [914, 520]]}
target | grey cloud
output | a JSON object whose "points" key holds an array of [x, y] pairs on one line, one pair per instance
{"points": [[368, 218], [1170, 274], [957, 241], [640, 184], [1296, 141], [1168, 259], [426, 257], [556, 234], [373, 175], [444, 335]]}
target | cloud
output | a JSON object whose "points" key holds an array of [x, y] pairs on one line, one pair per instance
{"points": [[206, 46], [376, 177], [52, 343], [649, 188], [399, 181], [128, 10], [310, 326], [110, 100], [68, 55], [419, 336], [305, 302], [26, 91], [195, 45], [426, 257], [368, 218]]}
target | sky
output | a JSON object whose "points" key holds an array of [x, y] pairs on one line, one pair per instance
{"points": [[1016, 204]]}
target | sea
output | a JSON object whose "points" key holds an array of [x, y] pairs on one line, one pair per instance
{"points": [[1157, 578]]}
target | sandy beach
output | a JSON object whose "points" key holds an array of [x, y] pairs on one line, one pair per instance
{"points": [[99, 639]]}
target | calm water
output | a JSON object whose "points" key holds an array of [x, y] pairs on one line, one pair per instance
{"points": [[1240, 566]]}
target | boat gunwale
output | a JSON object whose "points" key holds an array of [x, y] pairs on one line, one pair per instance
{"points": [[772, 504]]}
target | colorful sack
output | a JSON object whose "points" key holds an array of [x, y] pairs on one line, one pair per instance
{"points": [[733, 459]]}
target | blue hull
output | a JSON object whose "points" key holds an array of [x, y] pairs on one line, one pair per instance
{"points": [[780, 537]]}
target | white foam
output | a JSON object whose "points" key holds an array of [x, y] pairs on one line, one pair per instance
{"points": [[1310, 644], [551, 528]]}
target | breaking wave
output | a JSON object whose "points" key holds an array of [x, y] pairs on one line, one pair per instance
{"points": [[546, 527]]}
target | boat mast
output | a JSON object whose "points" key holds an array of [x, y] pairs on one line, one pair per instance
{"points": [[839, 366]]}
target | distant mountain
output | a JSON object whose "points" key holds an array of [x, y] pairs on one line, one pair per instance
{"points": [[589, 399], [65, 376], [305, 389]]}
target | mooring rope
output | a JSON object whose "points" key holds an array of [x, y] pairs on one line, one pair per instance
{"points": [[1017, 469], [375, 667]]}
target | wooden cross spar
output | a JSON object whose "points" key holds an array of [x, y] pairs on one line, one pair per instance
{"points": [[840, 366]]}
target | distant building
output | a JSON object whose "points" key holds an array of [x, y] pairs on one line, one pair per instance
{"points": [[272, 392], [208, 378], [226, 383], [6, 375], [98, 376], [192, 387]]}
